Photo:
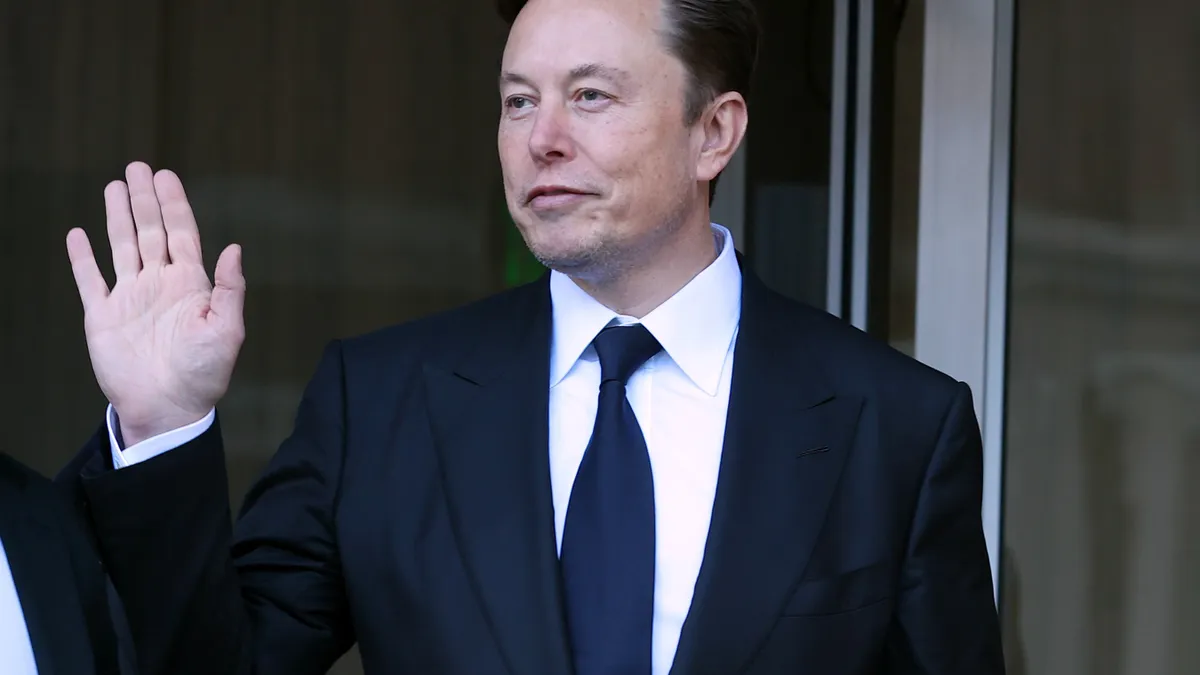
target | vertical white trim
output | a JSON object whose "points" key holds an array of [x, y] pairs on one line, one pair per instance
{"points": [[839, 126], [996, 365], [963, 217], [864, 112]]}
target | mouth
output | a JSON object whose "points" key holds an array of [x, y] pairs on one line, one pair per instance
{"points": [[544, 197]]}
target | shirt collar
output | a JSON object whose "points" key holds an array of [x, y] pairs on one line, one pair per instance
{"points": [[695, 326]]}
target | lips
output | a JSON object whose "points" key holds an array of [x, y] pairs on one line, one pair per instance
{"points": [[556, 198], [553, 191]]}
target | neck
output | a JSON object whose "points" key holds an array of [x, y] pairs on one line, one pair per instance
{"points": [[642, 287]]}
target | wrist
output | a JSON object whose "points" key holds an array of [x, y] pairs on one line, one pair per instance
{"points": [[135, 429]]}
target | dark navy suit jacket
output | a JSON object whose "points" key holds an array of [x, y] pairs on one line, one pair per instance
{"points": [[65, 597], [410, 511]]}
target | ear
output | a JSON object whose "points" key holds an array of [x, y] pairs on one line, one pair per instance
{"points": [[722, 128]]}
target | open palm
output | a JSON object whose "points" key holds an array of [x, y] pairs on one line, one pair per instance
{"points": [[163, 340]]}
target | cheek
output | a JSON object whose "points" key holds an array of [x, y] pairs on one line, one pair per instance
{"points": [[642, 156], [514, 158], [511, 140], [660, 167]]}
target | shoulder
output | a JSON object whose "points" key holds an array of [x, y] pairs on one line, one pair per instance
{"points": [[37, 496], [443, 337], [857, 363], [18, 479], [904, 408]]}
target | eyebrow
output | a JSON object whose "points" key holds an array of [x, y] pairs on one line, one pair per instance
{"points": [[615, 75]]}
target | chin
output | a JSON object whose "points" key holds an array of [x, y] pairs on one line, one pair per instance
{"points": [[581, 247], [564, 259], [578, 261]]}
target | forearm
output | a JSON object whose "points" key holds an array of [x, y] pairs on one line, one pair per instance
{"points": [[164, 531], [268, 599]]}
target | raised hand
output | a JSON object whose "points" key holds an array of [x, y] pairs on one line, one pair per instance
{"points": [[163, 340]]}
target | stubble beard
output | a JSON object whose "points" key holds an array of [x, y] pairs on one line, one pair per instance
{"points": [[605, 259]]}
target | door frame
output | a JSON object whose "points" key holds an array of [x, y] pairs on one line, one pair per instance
{"points": [[964, 216]]}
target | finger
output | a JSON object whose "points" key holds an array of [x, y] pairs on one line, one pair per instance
{"points": [[183, 237], [127, 262], [88, 279], [229, 286], [151, 237]]}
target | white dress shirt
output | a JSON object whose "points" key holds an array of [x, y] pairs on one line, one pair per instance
{"points": [[16, 651], [680, 398]]}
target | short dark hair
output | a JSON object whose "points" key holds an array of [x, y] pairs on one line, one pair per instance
{"points": [[717, 41]]}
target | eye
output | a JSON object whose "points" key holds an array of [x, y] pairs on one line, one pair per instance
{"points": [[517, 106], [593, 101], [592, 98], [517, 102]]}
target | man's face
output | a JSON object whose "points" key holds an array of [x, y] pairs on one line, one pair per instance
{"points": [[599, 167]]}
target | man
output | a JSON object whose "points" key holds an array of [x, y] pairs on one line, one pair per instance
{"points": [[644, 463], [54, 604]]}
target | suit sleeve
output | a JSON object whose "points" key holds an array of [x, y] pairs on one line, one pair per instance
{"points": [[202, 596], [947, 622]]}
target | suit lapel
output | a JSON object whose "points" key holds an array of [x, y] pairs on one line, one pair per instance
{"points": [[489, 418], [46, 585], [787, 436]]}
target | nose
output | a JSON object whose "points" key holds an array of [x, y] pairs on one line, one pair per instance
{"points": [[550, 139]]}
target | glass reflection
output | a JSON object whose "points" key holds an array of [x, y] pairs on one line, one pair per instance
{"points": [[1103, 439]]}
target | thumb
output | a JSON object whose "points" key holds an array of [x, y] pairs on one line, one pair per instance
{"points": [[229, 290]]}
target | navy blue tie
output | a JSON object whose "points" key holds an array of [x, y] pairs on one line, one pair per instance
{"points": [[607, 552]]}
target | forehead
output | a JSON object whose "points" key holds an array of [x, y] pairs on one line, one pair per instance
{"points": [[552, 37]]}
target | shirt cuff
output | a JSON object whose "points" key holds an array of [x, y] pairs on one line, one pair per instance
{"points": [[156, 445]]}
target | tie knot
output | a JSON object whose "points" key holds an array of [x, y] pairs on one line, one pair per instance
{"points": [[622, 350]]}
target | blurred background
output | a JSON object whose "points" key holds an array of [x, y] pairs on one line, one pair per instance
{"points": [[1009, 191]]}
